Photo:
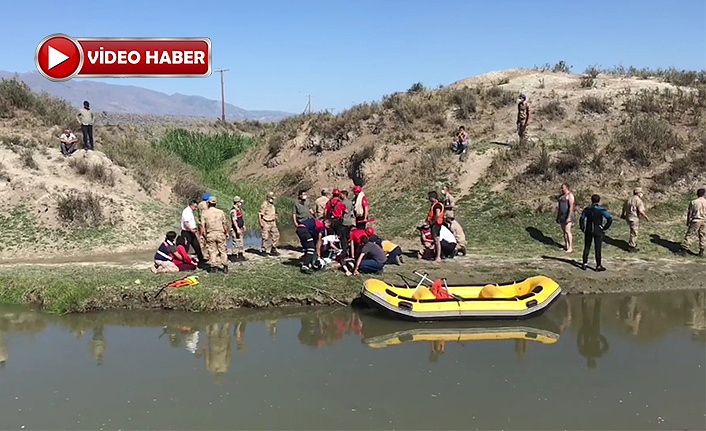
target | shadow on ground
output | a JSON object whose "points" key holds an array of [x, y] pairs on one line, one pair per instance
{"points": [[573, 262], [672, 246], [539, 236], [618, 243]]}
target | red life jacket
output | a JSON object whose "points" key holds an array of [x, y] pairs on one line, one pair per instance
{"points": [[439, 290], [335, 209]]}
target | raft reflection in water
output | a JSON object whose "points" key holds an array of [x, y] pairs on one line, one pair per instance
{"points": [[591, 321]]}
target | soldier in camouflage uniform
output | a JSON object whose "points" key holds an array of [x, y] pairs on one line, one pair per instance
{"points": [[268, 223]]}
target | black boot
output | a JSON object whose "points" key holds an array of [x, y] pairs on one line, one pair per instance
{"points": [[241, 257], [701, 253], [274, 252]]}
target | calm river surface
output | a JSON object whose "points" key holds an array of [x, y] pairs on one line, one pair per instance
{"points": [[598, 362]]}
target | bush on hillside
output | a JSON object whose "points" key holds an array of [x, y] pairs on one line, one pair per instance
{"points": [[691, 166], [583, 145], [294, 180], [552, 110], [186, 189], [465, 102], [97, 172], [499, 97], [27, 159], [593, 105], [645, 141], [16, 95], [80, 209]]}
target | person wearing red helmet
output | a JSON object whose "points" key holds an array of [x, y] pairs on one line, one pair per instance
{"points": [[336, 211], [361, 207]]}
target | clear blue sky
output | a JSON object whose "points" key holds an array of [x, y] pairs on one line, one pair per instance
{"points": [[346, 52]]}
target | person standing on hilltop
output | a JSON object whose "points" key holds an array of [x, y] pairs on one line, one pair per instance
{"points": [[565, 216], [591, 224], [696, 222], [321, 202], [85, 119], [633, 209], [215, 229], [268, 224], [238, 225], [361, 207], [523, 117]]}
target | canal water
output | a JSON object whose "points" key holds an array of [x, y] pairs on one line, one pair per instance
{"points": [[592, 362]]}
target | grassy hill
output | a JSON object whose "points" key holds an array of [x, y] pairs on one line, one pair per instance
{"points": [[602, 131]]}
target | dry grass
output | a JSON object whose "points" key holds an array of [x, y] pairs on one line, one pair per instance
{"points": [[552, 110], [27, 159], [96, 172], [294, 180], [593, 105], [78, 209], [645, 141], [16, 96], [187, 189], [689, 167], [356, 162]]}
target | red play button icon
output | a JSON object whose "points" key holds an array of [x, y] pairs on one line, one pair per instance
{"points": [[58, 57]]}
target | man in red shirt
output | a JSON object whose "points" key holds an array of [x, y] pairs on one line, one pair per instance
{"points": [[336, 211], [361, 207], [355, 238]]}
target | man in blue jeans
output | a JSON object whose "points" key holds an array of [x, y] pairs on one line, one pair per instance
{"points": [[372, 258]]}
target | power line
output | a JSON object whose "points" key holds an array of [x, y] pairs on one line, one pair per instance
{"points": [[223, 95]]}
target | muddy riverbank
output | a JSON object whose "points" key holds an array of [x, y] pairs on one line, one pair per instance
{"points": [[94, 285]]}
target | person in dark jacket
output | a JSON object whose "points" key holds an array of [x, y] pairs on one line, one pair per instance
{"points": [[592, 226]]}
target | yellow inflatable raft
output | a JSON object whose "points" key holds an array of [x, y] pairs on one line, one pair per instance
{"points": [[516, 300]]}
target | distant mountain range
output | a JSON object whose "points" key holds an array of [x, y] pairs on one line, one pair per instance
{"points": [[138, 100]]}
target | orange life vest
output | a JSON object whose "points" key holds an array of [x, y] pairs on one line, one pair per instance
{"points": [[430, 217], [439, 290]]}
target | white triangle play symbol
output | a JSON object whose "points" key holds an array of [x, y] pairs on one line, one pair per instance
{"points": [[56, 57]]}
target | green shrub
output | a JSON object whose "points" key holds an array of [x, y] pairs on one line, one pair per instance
{"points": [[466, 103]]}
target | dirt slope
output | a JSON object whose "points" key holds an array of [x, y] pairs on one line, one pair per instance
{"points": [[396, 150], [37, 180]]}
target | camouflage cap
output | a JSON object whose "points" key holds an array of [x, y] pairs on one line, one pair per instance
{"points": [[270, 194], [237, 199], [637, 190], [212, 200]]}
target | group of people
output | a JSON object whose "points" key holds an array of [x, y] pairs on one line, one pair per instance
{"points": [[335, 230], [595, 220], [68, 140]]}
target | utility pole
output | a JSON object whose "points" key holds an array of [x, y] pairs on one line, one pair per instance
{"points": [[223, 95], [307, 110]]}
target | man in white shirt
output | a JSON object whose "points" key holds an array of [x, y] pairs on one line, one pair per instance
{"points": [[189, 230], [448, 242], [68, 142]]}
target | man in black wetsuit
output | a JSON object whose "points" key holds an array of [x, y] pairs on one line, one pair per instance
{"points": [[592, 226]]}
